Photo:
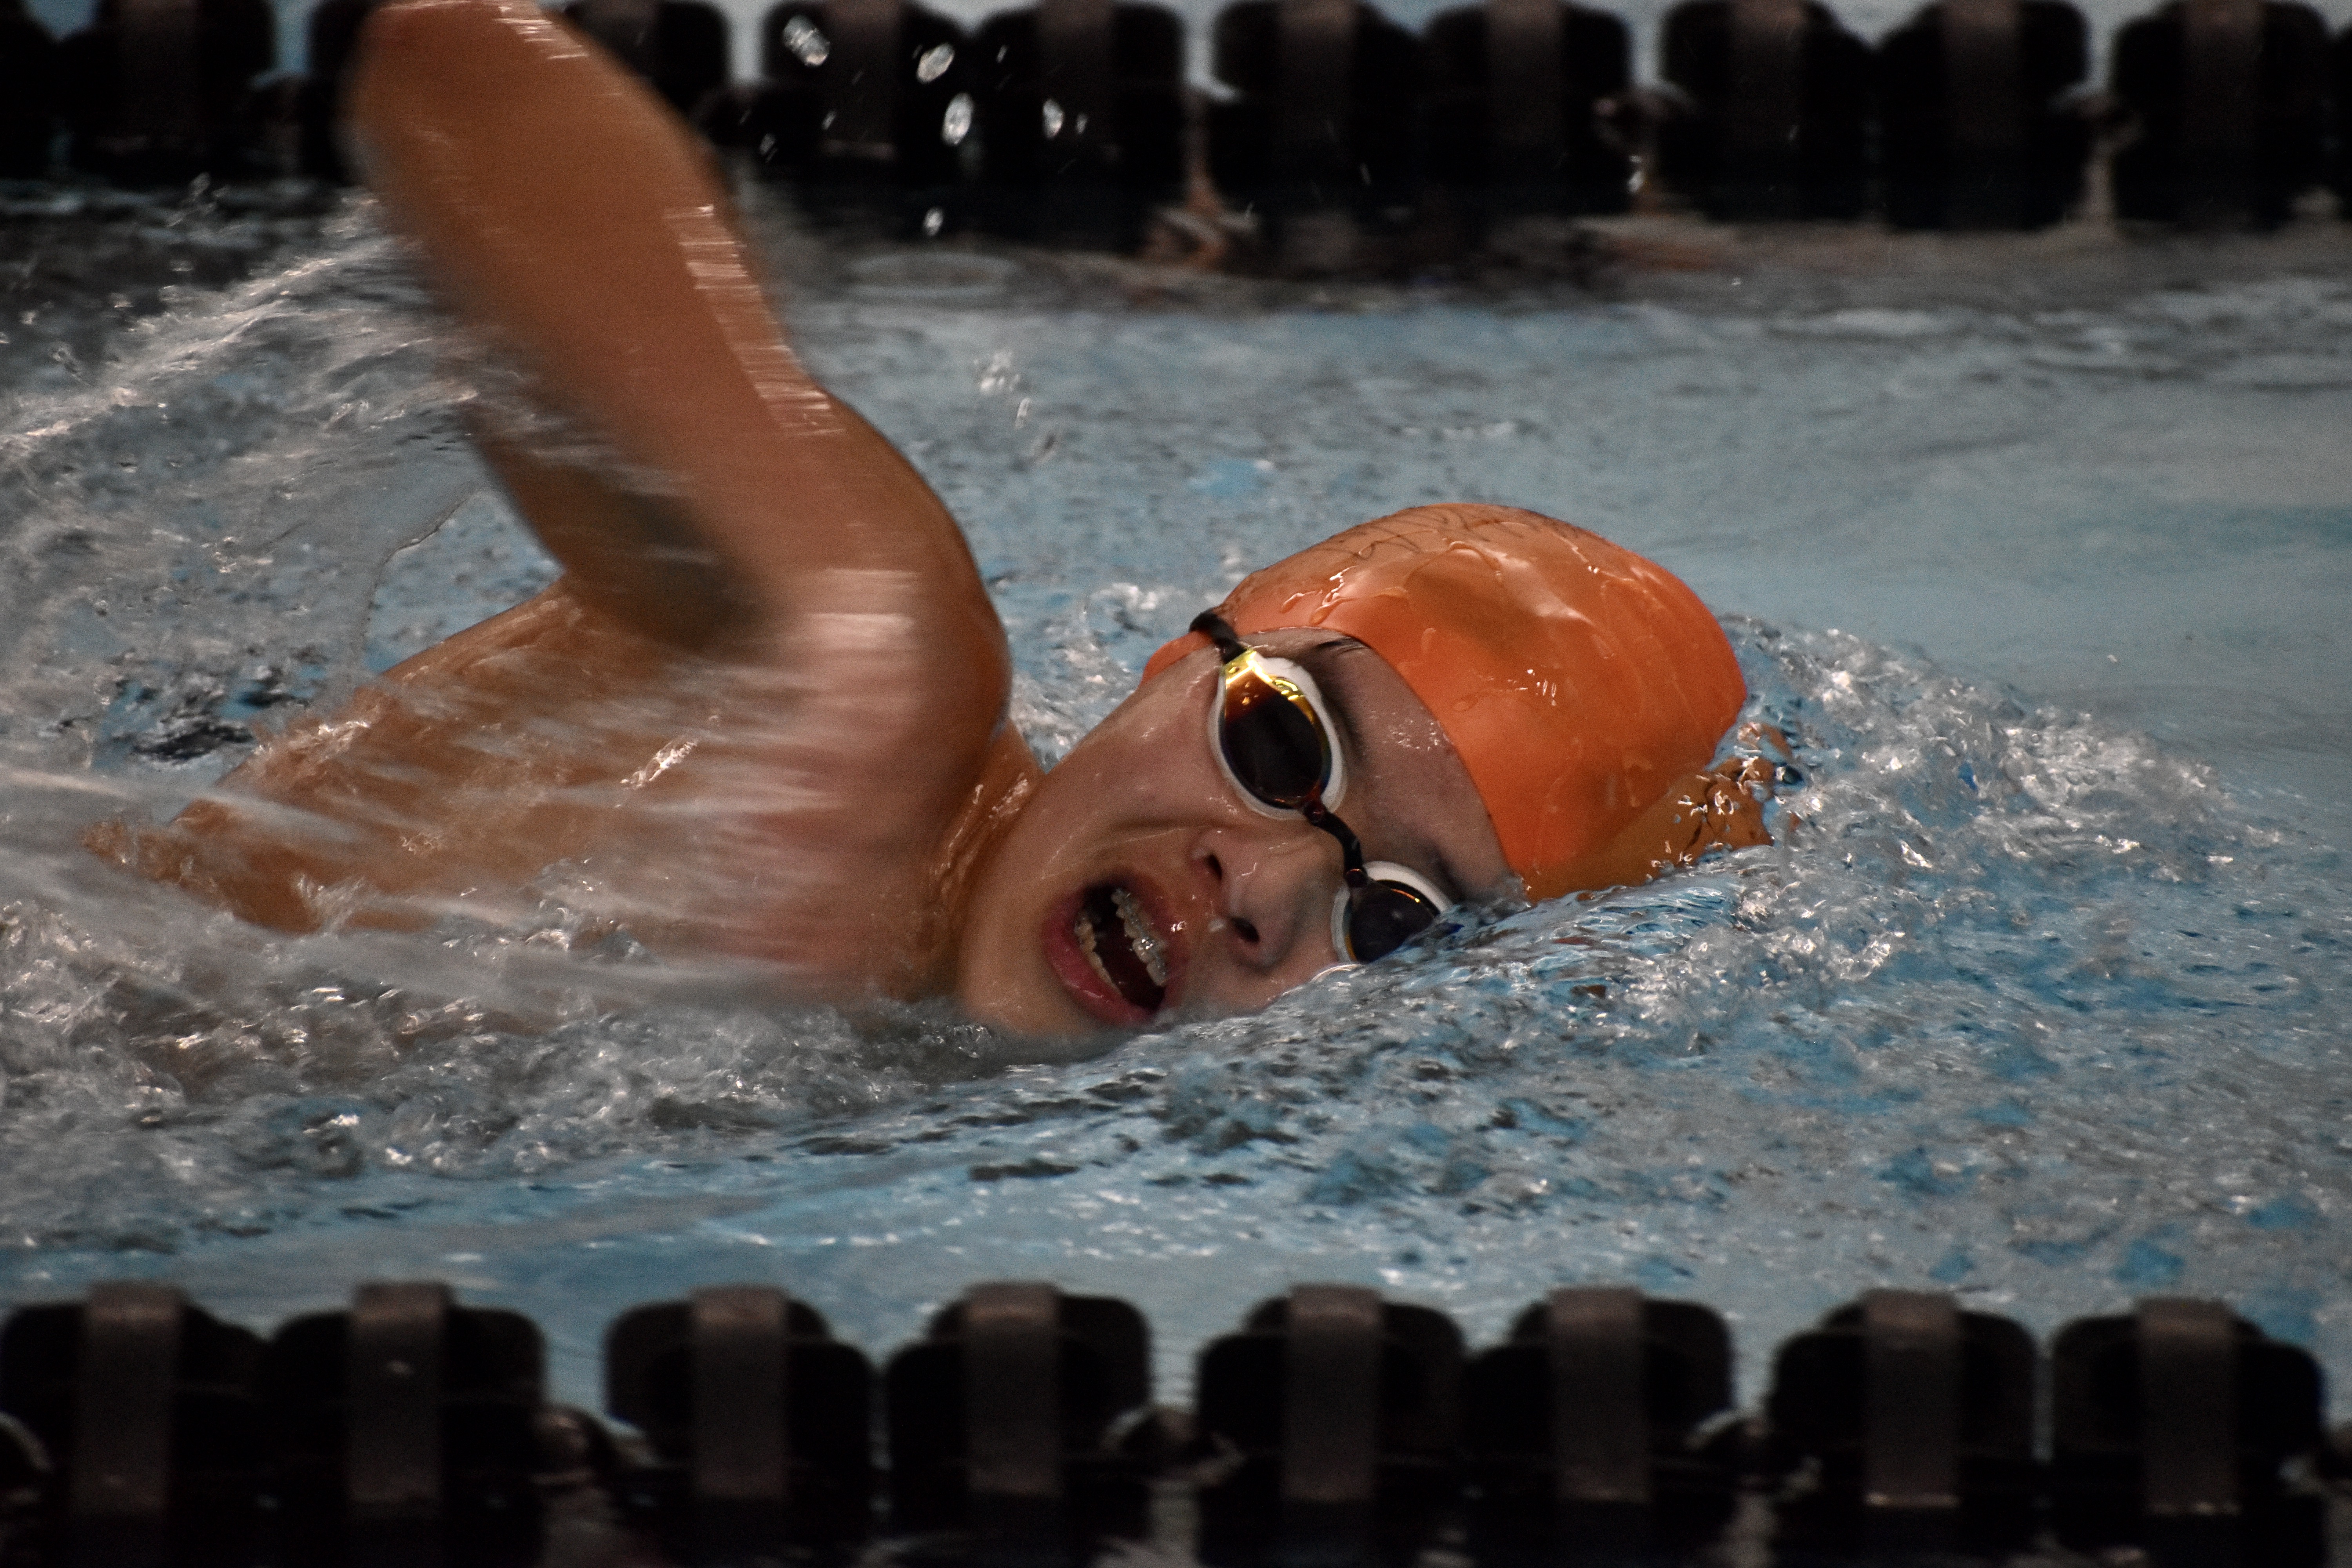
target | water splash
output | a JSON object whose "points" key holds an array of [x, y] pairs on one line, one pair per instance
{"points": [[2023, 1003]]}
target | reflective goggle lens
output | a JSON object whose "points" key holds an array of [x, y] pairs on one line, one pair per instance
{"points": [[1389, 909], [1272, 737]]}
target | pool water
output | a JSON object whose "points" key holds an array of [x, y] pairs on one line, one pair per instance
{"points": [[2037, 547]]}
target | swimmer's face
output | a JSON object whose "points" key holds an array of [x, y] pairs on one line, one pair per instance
{"points": [[1138, 838]]}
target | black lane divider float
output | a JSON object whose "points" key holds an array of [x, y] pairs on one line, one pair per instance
{"points": [[1771, 116], [1083, 120], [156, 91], [1069, 121], [1527, 110], [865, 104], [2230, 101], [1975, 123], [1333, 1426], [1318, 137]]}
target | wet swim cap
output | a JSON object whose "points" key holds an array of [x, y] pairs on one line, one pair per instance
{"points": [[1577, 680]]}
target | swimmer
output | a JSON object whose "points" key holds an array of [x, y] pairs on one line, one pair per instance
{"points": [[764, 712]]}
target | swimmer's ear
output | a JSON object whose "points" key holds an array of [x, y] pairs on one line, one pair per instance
{"points": [[1718, 809]]}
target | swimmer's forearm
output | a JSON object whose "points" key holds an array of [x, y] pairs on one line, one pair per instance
{"points": [[575, 225]]}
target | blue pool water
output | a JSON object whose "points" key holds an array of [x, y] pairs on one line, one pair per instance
{"points": [[2037, 546]]}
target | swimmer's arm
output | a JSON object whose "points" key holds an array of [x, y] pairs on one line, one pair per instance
{"points": [[769, 684], [662, 438]]}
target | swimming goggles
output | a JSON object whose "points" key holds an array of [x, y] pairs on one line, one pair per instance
{"points": [[1276, 740]]}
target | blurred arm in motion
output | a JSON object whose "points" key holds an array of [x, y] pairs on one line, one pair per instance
{"points": [[763, 710]]}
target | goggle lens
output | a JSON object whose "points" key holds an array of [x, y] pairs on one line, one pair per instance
{"points": [[1272, 738], [1271, 734], [1389, 910]]}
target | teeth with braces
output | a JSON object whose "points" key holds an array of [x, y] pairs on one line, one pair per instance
{"points": [[1147, 946], [1140, 935]]}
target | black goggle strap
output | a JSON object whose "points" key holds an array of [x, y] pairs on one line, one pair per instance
{"points": [[1218, 630], [1351, 848]]}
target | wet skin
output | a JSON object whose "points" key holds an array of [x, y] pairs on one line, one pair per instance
{"points": [[1239, 902], [765, 703]]}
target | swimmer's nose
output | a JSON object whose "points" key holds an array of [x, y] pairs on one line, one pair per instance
{"points": [[1272, 890]]}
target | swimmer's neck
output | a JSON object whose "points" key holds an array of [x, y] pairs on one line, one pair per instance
{"points": [[1007, 779]]}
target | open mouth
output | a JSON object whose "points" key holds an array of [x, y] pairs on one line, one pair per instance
{"points": [[1116, 938]]}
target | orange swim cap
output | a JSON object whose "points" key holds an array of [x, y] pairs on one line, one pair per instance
{"points": [[1577, 680]]}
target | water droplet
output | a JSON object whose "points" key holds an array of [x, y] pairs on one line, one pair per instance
{"points": [[806, 42], [933, 221], [957, 123], [935, 62], [1053, 119]]}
